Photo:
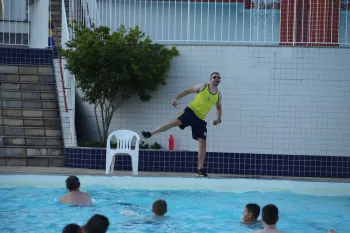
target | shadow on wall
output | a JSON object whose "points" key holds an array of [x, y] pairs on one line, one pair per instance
{"points": [[85, 122]]}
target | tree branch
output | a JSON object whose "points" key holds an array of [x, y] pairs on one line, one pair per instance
{"points": [[103, 125]]}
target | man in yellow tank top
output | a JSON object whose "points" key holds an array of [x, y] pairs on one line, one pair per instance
{"points": [[195, 113]]}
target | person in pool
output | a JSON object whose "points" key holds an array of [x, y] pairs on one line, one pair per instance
{"points": [[72, 228], [270, 219], [159, 208], [75, 196], [251, 213], [96, 224]]}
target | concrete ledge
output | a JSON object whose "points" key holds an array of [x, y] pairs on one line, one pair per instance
{"points": [[32, 170], [35, 161]]}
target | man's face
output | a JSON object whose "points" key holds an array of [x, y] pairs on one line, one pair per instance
{"points": [[246, 215], [215, 79]]}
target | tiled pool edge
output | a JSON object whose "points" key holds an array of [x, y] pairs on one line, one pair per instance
{"points": [[218, 163], [238, 185]]}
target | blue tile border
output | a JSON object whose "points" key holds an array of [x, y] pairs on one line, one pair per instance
{"points": [[27, 56], [219, 163]]}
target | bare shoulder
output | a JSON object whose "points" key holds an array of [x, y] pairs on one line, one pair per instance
{"points": [[200, 87], [63, 199], [87, 195]]}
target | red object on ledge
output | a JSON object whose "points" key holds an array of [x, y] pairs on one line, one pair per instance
{"points": [[171, 142]]}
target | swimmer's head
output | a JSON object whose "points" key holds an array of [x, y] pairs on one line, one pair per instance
{"points": [[159, 208], [97, 224], [251, 213], [72, 183], [72, 228], [270, 214]]}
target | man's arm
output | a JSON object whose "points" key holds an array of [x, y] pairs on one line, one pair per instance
{"points": [[219, 108], [218, 111], [190, 90]]}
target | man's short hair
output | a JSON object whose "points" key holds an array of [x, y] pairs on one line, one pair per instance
{"points": [[71, 228], [270, 214], [160, 207], [72, 183], [254, 209], [97, 224], [214, 73]]}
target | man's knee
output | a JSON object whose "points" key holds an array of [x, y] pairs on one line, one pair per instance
{"points": [[175, 122]]}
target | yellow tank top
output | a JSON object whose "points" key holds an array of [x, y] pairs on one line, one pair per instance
{"points": [[203, 102]]}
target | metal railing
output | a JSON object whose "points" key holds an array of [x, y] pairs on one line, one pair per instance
{"points": [[25, 23], [285, 22], [68, 81]]}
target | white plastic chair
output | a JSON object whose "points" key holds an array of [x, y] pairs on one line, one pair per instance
{"points": [[124, 138]]}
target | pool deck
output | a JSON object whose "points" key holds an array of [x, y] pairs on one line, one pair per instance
{"points": [[81, 171]]}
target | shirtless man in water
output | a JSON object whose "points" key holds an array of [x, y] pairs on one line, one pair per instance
{"points": [[74, 195], [270, 219]]}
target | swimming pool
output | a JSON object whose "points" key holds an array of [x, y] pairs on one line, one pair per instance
{"points": [[29, 204]]}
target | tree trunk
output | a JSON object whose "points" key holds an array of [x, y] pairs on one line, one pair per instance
{"points": [[98, 124]]}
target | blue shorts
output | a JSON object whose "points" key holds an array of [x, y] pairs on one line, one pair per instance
{"points": [[199, 127]]}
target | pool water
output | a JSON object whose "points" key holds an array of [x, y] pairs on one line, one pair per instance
{"points": [[35, 210]]}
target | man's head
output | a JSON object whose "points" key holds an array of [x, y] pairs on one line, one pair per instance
{"points": [[251, 213], [159, 208], [71, 228], [97, 224], [215, 79], [72, 183], [270, 214]]}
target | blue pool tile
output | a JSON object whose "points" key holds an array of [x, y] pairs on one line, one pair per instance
{"points": [[221, 163]]}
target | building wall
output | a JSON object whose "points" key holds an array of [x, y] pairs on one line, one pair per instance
{"points": [[39, 24], [276, 100]]}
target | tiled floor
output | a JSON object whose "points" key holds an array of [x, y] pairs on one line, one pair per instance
{"points": [[80, 171]]}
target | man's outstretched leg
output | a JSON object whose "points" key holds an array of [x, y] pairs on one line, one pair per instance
{"points": [[201, 156], [163, 128]]}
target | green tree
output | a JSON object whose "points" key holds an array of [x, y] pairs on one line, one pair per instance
{"points": [[110, 68]]}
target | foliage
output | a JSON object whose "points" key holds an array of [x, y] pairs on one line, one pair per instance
{"points": [[154, 146], [110, 68], [94, 144]]}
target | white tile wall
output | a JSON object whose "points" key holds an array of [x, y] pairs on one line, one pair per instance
{"points": [[275, 100]]}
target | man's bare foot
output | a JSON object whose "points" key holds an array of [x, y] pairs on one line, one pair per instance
{"points": [[330, 231]]}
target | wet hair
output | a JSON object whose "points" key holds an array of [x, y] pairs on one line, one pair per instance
{"points": [[97, 224], [254, 209], [160, 207], [72, 183], [270, 214], [71, 228]]}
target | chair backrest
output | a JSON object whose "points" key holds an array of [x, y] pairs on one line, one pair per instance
{"points": [[123, 138]]}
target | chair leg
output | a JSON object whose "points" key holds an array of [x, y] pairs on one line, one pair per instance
{"points": [[112, 165], [135, 164], [108, 164]]}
